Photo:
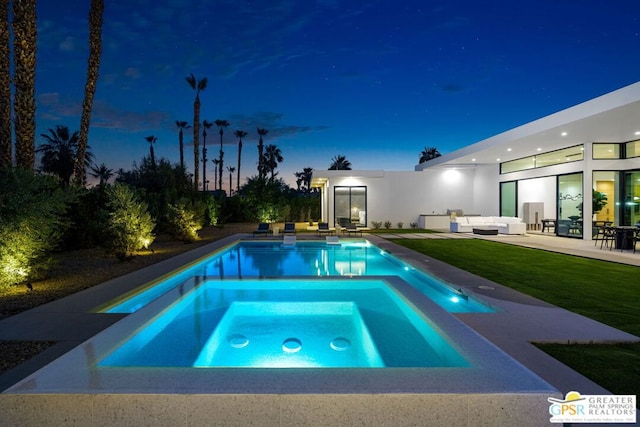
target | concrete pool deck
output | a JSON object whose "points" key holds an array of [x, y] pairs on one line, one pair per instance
{"points": [[522, 319]]}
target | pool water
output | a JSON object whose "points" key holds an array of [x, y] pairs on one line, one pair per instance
{"points": [[287, 324], [270, 260]]}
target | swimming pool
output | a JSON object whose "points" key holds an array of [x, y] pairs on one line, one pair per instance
{"points": [[489, 384], [271, 259], [287, 324]]}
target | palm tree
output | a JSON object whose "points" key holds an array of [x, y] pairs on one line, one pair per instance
{"points": [[152, 140], [24, 80], [303, 180], [216, 162], [59, 153], [5, 87], [95, 50], [102, 172], [428, 153], [231, 171], [197, 85], [261, 171], [272, 156], [181, 127], [205, 125], [340, 163], [239, 134], [221, 125]]}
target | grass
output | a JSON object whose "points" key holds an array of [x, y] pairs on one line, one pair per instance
{"points": [[601, 290]]}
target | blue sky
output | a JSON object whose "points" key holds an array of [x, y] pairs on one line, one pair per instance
{"points": [[375, 82]]}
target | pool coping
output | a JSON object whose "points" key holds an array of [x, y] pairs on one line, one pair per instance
{"points": [[522, 319]]}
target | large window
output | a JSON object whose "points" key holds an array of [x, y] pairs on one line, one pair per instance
{"points": [[350, 206], [606, 150], [570, 198], [565, 155], [633, 149]]}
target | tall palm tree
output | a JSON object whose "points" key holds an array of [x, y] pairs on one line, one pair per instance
{"points": [[216, 162], [205, 125], [181, 127], [198, 86], [429, 153], [95, 50], [5, 87], [272, 156], [221, 125], [24, 80], [239, 134], [231, 171], [102, 172], [261, 171], [59, 152], [152, 140], [340, 163]]}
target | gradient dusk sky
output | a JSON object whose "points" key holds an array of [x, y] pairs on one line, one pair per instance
{"points": [[375, 81]]}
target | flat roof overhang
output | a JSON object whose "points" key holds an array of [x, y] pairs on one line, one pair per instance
{"points": [[614, 117]]}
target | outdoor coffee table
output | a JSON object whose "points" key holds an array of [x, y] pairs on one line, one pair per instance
{"points": [[485, 231]]}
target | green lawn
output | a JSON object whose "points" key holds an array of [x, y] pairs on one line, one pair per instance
{"points": [[604, 291]]}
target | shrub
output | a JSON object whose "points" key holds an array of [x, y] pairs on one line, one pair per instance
{"points": [[32, 222], [387, 224], [376, 224], [400, 224], [129, 223], [413, 225], [183, 224]]}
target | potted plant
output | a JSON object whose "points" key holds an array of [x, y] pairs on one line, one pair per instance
{"points": [[598, 200]]}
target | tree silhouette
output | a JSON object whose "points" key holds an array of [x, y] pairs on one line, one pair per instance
{"points": [[181, 127], [59, 153], [221, 125], [340, 163], [95, 51], [428, 153], [198, 86], [239, 134]]}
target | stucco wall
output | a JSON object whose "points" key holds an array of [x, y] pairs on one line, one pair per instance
{"points": [[404, 196]]}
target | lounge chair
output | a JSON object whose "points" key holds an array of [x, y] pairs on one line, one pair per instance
{"points": [[289, 228], [323, 228], [351, 228], [263, 229]]}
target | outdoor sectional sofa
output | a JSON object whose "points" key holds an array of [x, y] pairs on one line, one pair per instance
{"points": [[504, 224]]}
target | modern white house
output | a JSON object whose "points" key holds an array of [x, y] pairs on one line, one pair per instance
{"points": [[544, 169]]}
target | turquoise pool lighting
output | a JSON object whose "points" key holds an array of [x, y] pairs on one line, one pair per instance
{"points": [[355, 323], [272, 260]]}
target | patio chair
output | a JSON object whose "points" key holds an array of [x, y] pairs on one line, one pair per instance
{"points": [[323, 228], [263, 229], [289, 228], [608, 237]]}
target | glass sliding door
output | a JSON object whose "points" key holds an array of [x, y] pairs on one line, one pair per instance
{"points": [[350, 206], [570, 198], [606, 183], [508, 198], [631, 208]]}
